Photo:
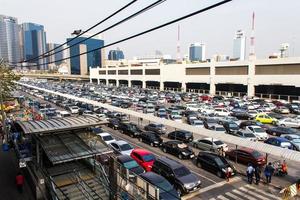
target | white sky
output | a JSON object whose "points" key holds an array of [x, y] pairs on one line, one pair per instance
{"points": [[277, 21]]}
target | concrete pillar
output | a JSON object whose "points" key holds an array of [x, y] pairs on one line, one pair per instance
{"points": [[98, 81], [107, 82], [129, 83], [91, 80], [183, 86], [250, 79], [212, 90], [250, 90], [212, 84], [161, 86], [117, 83], [144, 84]]}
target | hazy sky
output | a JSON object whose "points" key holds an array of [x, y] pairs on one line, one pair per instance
{"points": [[277, 21]]}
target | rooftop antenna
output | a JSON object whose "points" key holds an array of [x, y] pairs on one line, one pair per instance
{"points": [[252, 38], [178, 44]]}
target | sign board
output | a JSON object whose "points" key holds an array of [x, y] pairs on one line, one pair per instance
{"points": [[22, 163]]}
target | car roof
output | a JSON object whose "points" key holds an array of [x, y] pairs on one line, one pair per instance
{"points": [[120, 142], [103, 134], [152, 177], [210, 139], [249, 150], [142, 152], [170, 162], [124, 158]]}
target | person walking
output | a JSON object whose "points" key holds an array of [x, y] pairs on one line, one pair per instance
{"points": [[250, 172], [228, 173], [269, 170], [20, 182], [257, 173]]}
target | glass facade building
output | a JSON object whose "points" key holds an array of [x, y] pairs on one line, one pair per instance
{"points": [[54, 58], [34, 43], [93, 58], [9, 39], [197, 52], [115, 55]]}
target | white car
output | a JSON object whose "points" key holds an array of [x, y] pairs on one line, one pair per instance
{"points": [[207, 110], [221, 112], [259, 132], [289, 122], [121, 147], [197, 123], [106, 137], [177, 118], [74, 109]]}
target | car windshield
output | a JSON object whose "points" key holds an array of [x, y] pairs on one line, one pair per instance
{"points": [[211, 120], [220, 161], [233, 125], [125, 147], [218, 142], [107, 138], [296, 141], [131, 164], [256, 154], [177, 117], [249, 135], [259, 130], [148, 158], [164, 186], [198, 123], [159, 126], [285, 144], [181, 171], [220, 129]]}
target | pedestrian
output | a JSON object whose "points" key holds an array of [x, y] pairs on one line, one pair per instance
{"points": [[250, 172], [269, 170], [228, 173], [257, 173], [20, 182]]}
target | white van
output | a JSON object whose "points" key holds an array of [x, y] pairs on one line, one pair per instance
{"points": [[62, 113]]}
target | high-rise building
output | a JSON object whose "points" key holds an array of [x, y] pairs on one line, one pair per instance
{"points": [[197, 52], [239, 46], [81, 64], [115, 55], [9, 39], [55, 57], [34, 43]]}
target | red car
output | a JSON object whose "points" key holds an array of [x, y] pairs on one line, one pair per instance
{"points": [[144, 158], [246, 155]]}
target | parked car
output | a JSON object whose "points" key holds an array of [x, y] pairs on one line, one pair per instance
{"points": [[181, 135], [106, 137], [259, 132], [289, 122], [278, 130], [113, 123], [282, 110], [293, 138], [180, 176], [197, 123], [221, 112], [209, 122], [150, 138], [265, 119], [210, 144], [246, 134], [166, 190], [177, 148], [280, 142], [130, 129], [155, 127], [230, 127], [121, 147], [246, 155], [73, 109], [144, 158], [129, 163], [214, 163]]}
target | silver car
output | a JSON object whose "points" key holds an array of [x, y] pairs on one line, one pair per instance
{"points": [[210, 144]]}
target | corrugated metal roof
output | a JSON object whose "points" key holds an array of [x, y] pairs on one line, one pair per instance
{"points": [[59, 124]]}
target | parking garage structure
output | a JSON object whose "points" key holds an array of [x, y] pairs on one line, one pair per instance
{"points": [[63, 156], [237, 78]]}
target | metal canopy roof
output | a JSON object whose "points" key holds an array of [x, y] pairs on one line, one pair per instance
{"points": [[59, 124]]}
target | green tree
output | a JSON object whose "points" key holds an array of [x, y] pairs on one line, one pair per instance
{"points": [[7, 85]]}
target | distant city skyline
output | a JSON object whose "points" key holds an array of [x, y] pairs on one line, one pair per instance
{"points": [[216, 28]]}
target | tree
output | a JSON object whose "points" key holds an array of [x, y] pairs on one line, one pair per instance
{"points": [[7, 85]]}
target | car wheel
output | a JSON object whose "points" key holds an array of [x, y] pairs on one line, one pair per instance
{"points": [[283, 125], [151, 144], [219, 174], [199, 165], [165, 150], [180, 156], [179, 191]]}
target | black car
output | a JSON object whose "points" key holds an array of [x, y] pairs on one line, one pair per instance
{"points": [[129, 163], [113, 123], [181, 135], [177, 148], [293, 107], [130, 129], [277, 131], [214, 163], [177, 174], [157, 128], [240, 114], [230, 127], [276, 115], [151, 138], [166, 190]]}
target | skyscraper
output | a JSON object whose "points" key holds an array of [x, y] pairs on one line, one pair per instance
{"points": [[115, 55], [239, 46], [57, 56], [80, 64], [197, 52], [9, 39], [34, 43]]}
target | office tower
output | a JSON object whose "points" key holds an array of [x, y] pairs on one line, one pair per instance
{"points": [[55, 57], [115, 55], [80, 64], [34, 43], [239, 46], [9, 40], [197, 52]]}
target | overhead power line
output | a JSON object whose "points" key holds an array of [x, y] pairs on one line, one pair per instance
{"points": [[110, 27], [92, 27], [144, 32]]}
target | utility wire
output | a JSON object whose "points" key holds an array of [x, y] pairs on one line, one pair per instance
{"points": [[144, 32], [92, 27], [110, 27]]}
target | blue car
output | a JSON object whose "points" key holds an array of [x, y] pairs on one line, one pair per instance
{"points": [[280, 142]]}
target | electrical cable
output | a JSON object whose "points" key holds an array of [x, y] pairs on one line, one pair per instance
{"points": [[144, 32], [92, 27]]}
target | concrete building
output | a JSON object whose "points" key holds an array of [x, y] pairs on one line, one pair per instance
{"points": [[197, 52], [9, 39], [56, 57], [239, 46], [34, 43], [255, 77], [80, 65], [115, 55]]}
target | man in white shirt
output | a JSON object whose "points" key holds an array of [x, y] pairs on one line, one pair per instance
{"points": [[250, 172]]}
